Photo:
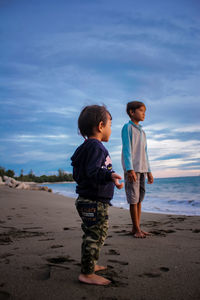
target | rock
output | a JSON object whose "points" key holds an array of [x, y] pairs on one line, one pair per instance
{"points": [[1, 181], [8, 181], [23, 186], [45, 188], [14, 182], [11, 182]]}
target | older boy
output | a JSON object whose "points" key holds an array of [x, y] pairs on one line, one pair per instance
{"points": [[135, 163], [92, 170]]}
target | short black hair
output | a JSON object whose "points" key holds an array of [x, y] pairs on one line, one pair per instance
{"points": [[133, 105], [90, 117]]}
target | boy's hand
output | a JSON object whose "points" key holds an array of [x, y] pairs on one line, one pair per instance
{"points": [[132, 176], [150, 178], [115, 178]]}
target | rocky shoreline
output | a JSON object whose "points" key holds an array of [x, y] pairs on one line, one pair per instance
{"points": [[20, 185]]}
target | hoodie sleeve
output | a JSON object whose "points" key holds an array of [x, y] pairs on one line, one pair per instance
{"points": [[95, 165]]}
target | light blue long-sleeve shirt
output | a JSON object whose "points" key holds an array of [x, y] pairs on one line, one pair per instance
{"points": [[134, 148]]}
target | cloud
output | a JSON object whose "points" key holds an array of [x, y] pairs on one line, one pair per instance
{"points": [[38, 156], [40, 138], [102, 52], [190, 129]]}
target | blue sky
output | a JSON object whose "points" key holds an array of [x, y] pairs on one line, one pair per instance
{"points": [[58, 56]]}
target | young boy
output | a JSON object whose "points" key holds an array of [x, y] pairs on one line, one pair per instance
{"points": [[92, 170], [135, 163]]}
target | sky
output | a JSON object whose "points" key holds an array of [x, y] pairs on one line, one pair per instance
{"points": [[58, 56]]}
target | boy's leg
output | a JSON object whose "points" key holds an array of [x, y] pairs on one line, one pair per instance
{"points": [[142, 194], [94, 238], [104, 232], [95, 228], [135, 211], [133, 198], [139, 208]]}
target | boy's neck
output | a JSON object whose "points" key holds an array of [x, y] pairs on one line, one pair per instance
{"points": [[96, 137], [135, 121]]}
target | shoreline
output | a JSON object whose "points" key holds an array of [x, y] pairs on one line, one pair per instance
{"points": [[126, 208], [40, 238], [59, 182]]}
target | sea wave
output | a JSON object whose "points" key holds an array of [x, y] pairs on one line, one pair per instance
{"points": [[180, 195]]}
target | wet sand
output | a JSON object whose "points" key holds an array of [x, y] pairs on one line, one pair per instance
{"points": [[40, 240]]}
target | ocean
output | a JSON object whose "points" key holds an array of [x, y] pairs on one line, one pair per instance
{"points": [[177, 195]]}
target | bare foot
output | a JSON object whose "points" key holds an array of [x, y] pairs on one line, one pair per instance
{"points": [[139, 235], [93, 279], [146, 233], [99, 268]]}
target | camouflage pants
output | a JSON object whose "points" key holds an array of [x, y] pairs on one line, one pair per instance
{"points": [[94, 217]]}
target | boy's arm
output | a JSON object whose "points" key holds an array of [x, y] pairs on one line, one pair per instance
{"points": [[126, 147], [148, 164], [94, 169], [127, 153], [150, 178], [115, 179], [149, 174], [97, 173]]}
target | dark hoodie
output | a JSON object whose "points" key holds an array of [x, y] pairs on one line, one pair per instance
{"points": [[92, 169]]}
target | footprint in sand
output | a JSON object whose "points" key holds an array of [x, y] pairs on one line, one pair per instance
{"points": [[114, 283], [44, 240], [60, 259], [151, 275], [112, 275], [28, 228], [5, 240], [66, 228], [43, 273], [162, 232], [158, 232], [179, 219], [151, 224], [77, 264], [196, 230], [112, 252], [124, 232], [5, 255], [56, 246], [124, 263], [155, 274], [164, 269]]}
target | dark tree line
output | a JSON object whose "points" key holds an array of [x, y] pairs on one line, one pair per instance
{"points": [[62, 176]]}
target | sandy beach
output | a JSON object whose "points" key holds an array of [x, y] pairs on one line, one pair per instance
{"points": [[40, 240]]}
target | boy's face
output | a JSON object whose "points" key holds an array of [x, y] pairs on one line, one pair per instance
{"points": [[106, 130], [139, 114]]}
